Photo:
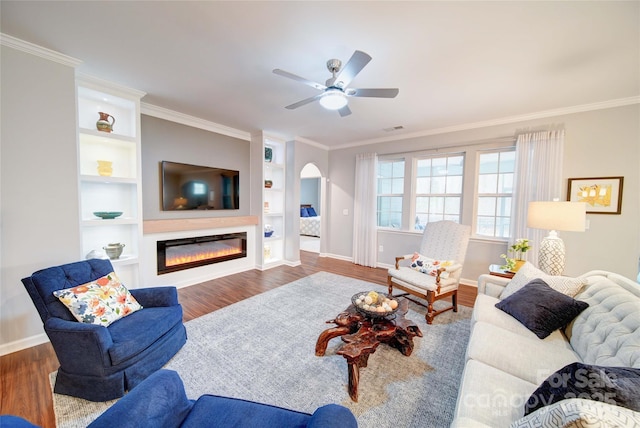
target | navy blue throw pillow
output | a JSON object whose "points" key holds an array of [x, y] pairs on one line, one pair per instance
{"points": [[304, 212], [619, 386], [312, 212], [540, 308]]}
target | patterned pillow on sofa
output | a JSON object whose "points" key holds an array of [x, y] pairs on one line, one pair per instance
{"points": [[99, 302], [576, 413], [528, 272]]}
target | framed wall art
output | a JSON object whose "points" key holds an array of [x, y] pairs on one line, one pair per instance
{"points": [[603, 195]]}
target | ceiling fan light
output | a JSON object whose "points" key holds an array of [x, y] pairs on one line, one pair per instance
{"points": [[333, 99]]}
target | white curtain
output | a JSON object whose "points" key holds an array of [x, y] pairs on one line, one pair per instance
{"points": [[538, 178], [365, 230]]}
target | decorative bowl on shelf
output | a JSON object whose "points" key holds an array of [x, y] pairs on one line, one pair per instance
{"points": [[268, 233], [114, 251], [374, 305], [107, 215]]}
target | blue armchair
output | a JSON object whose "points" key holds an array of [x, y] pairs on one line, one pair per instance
{"points": [[161, 402], [100, 363]]}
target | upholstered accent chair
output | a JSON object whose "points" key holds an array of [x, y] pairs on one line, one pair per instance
{"points": [[100, 363], [434, 272]]}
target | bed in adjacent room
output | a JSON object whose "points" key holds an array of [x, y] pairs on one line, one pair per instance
{"points": [[309, 221]]}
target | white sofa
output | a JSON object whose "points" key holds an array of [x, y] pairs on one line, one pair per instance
{"points": [[506, 362]]}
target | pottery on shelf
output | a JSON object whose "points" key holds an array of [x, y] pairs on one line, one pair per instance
{"points": [[107, 215], [268, 154], [104, 124], [268, 184], [105, 168], [114, 250]]}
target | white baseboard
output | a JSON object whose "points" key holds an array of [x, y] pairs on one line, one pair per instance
{"points": [[336, 256], [27, 342]]}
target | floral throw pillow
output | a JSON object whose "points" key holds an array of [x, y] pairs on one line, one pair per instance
{"points": [[429, 266], [100, 302]]}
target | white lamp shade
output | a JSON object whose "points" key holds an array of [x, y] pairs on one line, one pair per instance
{"points": [[568, 216], [333, 99]]}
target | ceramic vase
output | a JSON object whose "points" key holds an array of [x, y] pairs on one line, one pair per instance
{"points": [[114, 250], [104, 124]]}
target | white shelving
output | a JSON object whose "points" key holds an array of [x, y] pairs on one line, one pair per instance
{"points": [[119, 191], [272, 199]]}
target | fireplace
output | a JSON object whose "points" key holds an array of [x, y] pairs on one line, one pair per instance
{"points": [[187, 253]]}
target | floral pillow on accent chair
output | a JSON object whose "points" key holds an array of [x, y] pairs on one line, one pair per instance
{"points": [[99, 302], [430, 266]]}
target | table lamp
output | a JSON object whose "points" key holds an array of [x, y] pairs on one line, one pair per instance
{"points": [[553, 216]]}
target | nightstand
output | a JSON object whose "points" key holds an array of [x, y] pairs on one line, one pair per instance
{"points": [[496, 270]]}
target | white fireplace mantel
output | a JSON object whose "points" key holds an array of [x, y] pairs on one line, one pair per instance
{"points": [[184, 224], [158, 230]]}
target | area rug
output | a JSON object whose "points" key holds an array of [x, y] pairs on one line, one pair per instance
{"points": [[262, 349]]}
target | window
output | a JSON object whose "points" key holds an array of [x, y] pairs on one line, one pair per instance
{"points": [[495, 188], [390, 193], [438, 193], [470, 184]]}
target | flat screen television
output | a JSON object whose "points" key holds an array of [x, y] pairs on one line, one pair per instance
{"points": [[194, 187]]}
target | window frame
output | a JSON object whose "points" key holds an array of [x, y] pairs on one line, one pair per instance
{"points": [[476, 196], [469, 198], [445, 195], [402, 195]]}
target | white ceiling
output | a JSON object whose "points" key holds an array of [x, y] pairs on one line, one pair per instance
{"points": [[455, 63]]}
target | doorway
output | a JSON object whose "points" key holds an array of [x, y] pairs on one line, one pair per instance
{"points": [[310, 208]]}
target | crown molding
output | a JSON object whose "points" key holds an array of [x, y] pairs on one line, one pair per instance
{"points": [[196, 122], [312, 143], [30, 48], [620, 102], [101, 84]]}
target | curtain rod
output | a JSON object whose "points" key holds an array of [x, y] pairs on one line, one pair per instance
{"points": [[509, 139]]}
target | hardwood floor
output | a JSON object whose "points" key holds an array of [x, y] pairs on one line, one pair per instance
{"points": [[25, 374]]}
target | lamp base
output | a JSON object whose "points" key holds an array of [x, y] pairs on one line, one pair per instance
{"points": [[551, 255]]}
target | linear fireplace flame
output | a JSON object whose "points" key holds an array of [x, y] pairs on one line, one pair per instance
{"points": [[186, 253]]}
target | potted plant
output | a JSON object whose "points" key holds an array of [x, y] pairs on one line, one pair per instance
{"points": [[512, 264]]}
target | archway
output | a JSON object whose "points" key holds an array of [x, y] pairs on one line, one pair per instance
{"points": [[311, 205]]}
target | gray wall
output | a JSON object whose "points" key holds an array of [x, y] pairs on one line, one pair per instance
{"points": [[170, 141], [597, 144], [310, 192], [39, 182]]}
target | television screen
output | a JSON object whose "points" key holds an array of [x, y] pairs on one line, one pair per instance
{"points": [[193, 187]]}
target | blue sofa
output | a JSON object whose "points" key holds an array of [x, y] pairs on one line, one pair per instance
{"points": [[160, 402], [100, 363]]}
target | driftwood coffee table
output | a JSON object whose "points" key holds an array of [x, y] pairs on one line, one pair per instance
{"points": [[362, 334]]}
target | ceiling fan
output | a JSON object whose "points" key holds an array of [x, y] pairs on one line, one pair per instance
{"points": [[335, 91]]}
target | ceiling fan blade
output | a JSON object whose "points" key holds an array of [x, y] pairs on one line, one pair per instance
{"points": [[344, 111], [304, 102], [375, 93], [355, 64], [299, 79]]}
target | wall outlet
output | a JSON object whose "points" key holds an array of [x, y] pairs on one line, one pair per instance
{"points": [[380, 248], [345, 211]]}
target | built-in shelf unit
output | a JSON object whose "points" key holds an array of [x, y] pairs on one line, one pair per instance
{"points": [[269, 162], [116, 187]]}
